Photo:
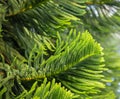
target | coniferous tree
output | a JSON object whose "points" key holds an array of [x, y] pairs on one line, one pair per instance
{"points": [[59, 49]]}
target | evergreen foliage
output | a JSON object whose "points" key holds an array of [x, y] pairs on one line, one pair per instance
{"points": [[46, 51]]}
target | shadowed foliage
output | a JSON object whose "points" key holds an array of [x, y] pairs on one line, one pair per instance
{"points": [[59, 49]]}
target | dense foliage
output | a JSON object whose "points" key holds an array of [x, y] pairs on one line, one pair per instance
{"points": [[59, 49]]}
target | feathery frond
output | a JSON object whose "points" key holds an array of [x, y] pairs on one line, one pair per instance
{"points": [[41, 45], [47, 90]]}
